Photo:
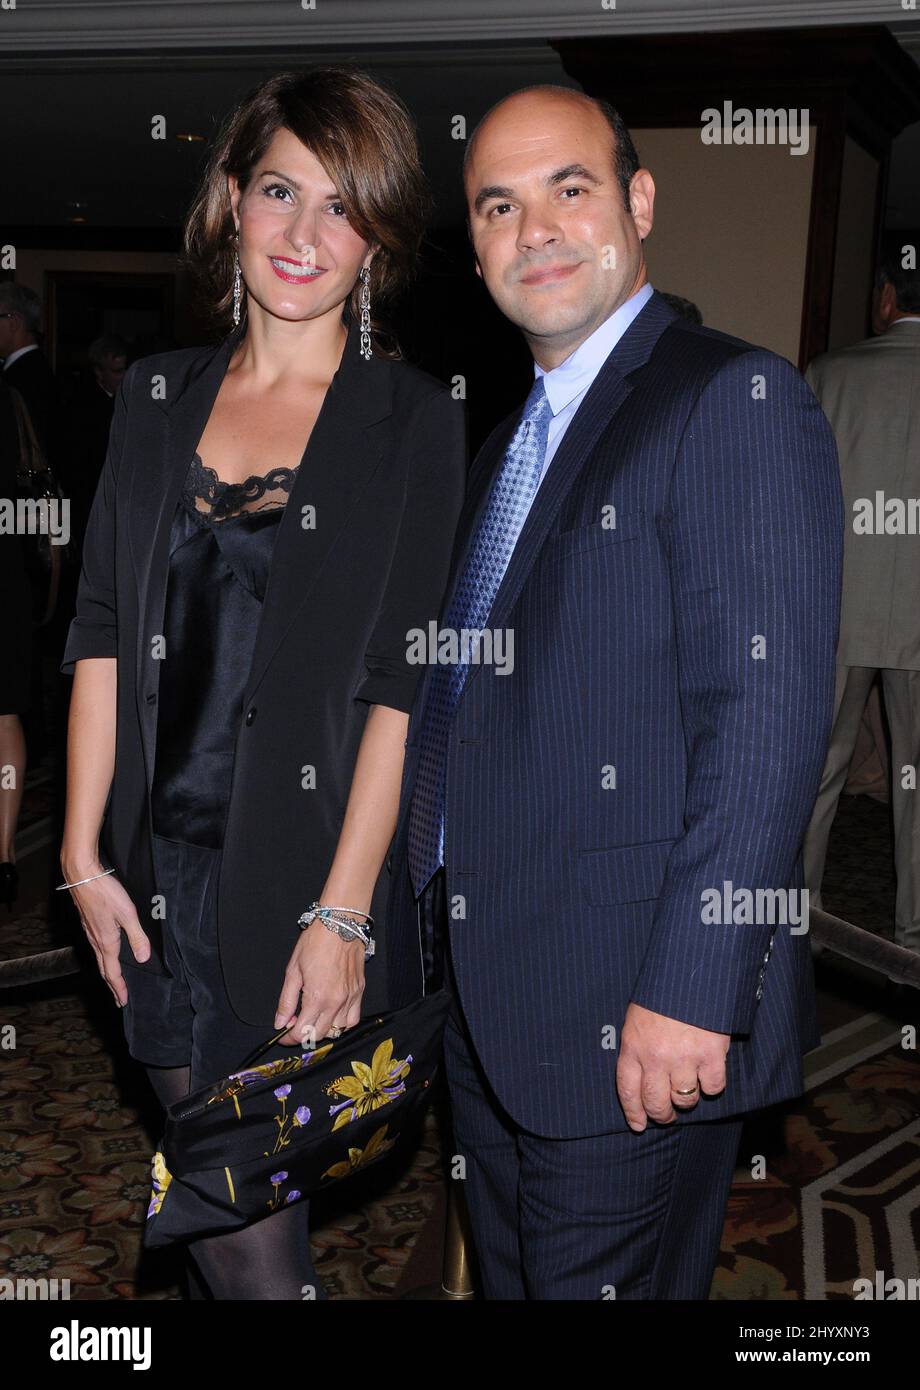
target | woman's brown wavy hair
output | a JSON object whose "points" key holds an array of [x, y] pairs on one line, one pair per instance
{"points": [[365, 139]]}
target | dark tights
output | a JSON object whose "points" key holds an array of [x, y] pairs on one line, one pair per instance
{"points": [[268, 1260]]}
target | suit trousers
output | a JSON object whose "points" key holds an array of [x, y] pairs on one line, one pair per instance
{"points": [[901, 690], [620, 1215]]}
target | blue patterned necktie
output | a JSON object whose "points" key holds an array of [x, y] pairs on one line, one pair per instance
{"points": [[490, 551]]}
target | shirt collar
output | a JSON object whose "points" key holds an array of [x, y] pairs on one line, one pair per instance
{"points": [[563, 383], [20, 352]]}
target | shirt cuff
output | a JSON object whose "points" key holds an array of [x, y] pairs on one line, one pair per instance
{"points": [[85, 641], [396, 689]]}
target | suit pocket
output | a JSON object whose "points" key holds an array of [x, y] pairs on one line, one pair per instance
{"points": [[625, 873], [594, 535]]}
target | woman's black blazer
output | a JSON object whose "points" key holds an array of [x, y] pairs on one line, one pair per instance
{"points": [[361, 557]]}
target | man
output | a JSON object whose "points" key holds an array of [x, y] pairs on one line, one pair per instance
{"points": [[871, 395], [24, 364], [659, 531]]}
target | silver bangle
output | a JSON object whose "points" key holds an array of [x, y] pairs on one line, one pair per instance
{"points": [[76, 883], [319, 908], [348, 931]]}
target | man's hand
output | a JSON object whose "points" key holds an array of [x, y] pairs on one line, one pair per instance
{"points": [[660, 1056]]}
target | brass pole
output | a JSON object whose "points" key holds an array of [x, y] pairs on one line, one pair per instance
{"points": [[456, 1281]]}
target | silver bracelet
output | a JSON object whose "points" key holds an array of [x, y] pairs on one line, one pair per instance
{"points": [[328, 907], [76, 883], [348, 931]]}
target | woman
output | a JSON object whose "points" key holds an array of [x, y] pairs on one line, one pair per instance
{"points": [[16, 644], [239, 731]]}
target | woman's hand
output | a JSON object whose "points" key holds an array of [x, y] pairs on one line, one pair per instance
{"points": [[106, 911], [327, 974]]}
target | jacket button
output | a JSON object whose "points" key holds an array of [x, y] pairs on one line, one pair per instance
{"points": [[250, 715]]}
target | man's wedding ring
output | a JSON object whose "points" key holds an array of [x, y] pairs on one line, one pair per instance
{"points": [[686, 1093]]}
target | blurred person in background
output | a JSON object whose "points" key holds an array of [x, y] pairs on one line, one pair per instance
{"points": [[16, 647], [25, 366], [870, 392]]}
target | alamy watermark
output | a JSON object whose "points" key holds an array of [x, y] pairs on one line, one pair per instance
{"points": [[762, 126], [731, 906], [31, 516], [469, 646]]}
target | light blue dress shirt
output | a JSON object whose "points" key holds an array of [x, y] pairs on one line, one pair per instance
{"points": [[567, 384]]}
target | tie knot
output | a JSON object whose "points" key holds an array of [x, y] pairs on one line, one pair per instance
{"points": [[537, 406]]}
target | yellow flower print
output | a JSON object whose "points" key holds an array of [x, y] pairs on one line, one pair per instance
{"points": [[370, 1086], [162, 1177], [377, 1146]]}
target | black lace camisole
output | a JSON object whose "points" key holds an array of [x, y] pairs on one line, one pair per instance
{"points": [[220, 553]]}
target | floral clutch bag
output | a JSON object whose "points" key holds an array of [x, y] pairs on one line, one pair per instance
{"points": [[238, 1150]]}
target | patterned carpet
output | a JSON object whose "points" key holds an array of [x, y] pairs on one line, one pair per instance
{"points": [[838, 1197], [825, 1189]]}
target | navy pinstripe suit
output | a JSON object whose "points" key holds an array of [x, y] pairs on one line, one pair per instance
{"points": [[663, 732]]}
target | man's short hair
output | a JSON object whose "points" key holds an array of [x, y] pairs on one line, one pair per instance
{"points": [[891, 271], [19, 299], [625, 156], [101, 350]]}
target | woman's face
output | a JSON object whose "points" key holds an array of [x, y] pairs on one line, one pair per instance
{"points": [[299, 256]]}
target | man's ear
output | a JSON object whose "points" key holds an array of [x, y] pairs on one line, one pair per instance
{"points": [[642, 202]]}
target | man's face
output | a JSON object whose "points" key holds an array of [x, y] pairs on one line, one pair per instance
{"points": [[556, 247], [109, 374], [8, 327]]}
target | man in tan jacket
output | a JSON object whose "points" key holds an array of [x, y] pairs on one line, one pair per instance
{"points": [[870, 392]]}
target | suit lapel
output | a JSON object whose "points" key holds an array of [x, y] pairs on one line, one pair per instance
{"points": [[338, 462], [188, 396], [603, 400], [342, 455], [479, 482]]}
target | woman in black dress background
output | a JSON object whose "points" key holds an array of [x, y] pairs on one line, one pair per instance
{"points": [[293, 246]]}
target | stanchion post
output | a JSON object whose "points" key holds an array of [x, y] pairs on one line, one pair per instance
{"points": [[456, 1280]]}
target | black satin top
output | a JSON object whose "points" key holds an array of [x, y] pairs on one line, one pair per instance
{"points": [[219, 561]]}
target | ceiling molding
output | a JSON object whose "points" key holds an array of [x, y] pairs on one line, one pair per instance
{"points": [[99, 26], [502, 57]]}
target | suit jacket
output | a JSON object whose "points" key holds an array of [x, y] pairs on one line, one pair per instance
{"points": [[870, 392], [385, 471], [663, 732], [33, 378]]}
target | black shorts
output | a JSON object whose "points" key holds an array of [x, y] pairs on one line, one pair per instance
{"points": [[186, 1019]]}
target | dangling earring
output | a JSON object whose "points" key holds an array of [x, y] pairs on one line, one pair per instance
{"points": [[237, 290], [365, 278]]}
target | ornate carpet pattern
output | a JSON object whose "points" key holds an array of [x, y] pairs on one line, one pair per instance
{"points": [[841, 1195], [76, 1117]]}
